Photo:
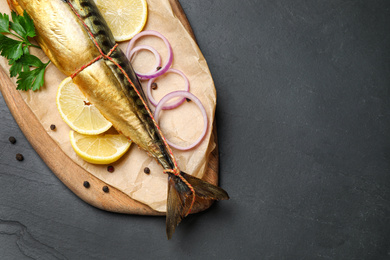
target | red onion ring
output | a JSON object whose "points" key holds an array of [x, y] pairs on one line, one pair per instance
{"points": [[172, 104], [152, 50], [189, 95], [165, 67]]}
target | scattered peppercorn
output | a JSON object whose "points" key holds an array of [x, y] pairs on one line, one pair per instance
{"points": [[53, 127], [154, 85], [86, 184], [146, 170], [188, 100], [158, 68], [12, 139], [19, 157], [105, 189], [110, 168]]}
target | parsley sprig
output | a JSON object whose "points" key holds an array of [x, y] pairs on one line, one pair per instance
{"points": [[17, 51]]}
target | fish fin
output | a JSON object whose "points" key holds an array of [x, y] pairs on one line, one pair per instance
{"points": [[180, 197], [205, 190], [177, 203]]}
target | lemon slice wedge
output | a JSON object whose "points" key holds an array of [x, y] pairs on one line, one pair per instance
{"points": [[99, 149], [77, 112], [125, 18]]}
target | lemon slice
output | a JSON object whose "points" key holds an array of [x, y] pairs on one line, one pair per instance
{"points": [[77, 112], [125, 18], [99, 149]]}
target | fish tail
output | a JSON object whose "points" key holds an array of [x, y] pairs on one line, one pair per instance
{"points": [[185, 191]]}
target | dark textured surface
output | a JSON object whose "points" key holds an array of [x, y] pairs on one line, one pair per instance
{"points": [[304, 135]]}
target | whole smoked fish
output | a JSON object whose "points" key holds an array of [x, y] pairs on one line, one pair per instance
{"points": [[76, 38]]}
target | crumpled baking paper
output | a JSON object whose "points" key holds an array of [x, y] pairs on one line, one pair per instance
{"points": [[182, 125]]}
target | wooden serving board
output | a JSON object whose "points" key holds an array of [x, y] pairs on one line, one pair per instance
{"points": [[71, 174]]}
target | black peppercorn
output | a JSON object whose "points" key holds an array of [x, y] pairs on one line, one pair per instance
{"points": [[188, 100], [158, 68], [105, 189], [154, 85], [12, 139], [86, 184], [110, 168], [52, 127], [19, 157], [146, 170]]}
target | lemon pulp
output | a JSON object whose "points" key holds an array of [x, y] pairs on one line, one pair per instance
{"points": [[125, 18], [77, 112], [99, 149]]}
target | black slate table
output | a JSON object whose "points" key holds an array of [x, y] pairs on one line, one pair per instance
{"points": [[303, 119]]}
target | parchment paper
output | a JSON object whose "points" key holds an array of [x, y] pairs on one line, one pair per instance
{"points": [[182, 125]]}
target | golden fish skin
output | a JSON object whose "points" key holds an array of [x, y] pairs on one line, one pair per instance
{"points": [[73, 33]]}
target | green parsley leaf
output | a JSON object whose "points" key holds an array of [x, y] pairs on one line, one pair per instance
{"points": [[16, 68], [23, 25], [17, 51], [25, 50], [25, 67], [4, 23], [33, 79], [31, 60], [10, 48]]}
